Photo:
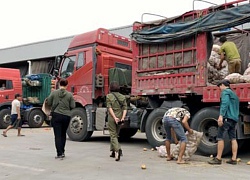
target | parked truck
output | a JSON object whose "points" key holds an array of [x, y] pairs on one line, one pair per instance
{"points": [[34, 88], [160, 70], [170, 69], [92, 60]]}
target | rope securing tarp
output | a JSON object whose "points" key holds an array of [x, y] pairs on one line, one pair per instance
{"points": [[211, 22]]}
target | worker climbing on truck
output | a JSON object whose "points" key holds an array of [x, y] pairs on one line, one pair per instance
{"points": [[229, 52]]}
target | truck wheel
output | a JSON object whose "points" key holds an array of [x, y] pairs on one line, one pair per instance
{"points": [[205, 121], [127, 133], [5, 118], [77, 130], [36, 118], [155, 131]]}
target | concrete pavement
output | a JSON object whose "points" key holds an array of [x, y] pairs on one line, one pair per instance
{"points": [[32, 157]]}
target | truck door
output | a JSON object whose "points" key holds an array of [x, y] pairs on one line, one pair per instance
{"points": [[6, 90]]}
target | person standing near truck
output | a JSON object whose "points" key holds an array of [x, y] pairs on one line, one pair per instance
{"points": [[15, 116], [229, 52], [228, 118], [61, 102], [175, 118], [117, 110]]}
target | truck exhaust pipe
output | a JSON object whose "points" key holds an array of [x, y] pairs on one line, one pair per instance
{"points": [[29, 70]]}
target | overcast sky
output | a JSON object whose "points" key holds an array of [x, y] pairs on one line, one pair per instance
{"points": [[28, 21]]}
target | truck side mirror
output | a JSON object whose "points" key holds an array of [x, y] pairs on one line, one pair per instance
{"points": [[58, 61], [56, 73]]}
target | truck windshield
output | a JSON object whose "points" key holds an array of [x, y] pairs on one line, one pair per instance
{"points": [[68, 66]]}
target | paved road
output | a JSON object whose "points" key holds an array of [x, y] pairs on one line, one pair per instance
{"points": [[32, 157]]}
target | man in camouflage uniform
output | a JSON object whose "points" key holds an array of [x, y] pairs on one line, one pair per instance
{"points": [[117, 110], [176, 118]]}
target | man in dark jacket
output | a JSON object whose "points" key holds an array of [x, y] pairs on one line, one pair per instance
{"points": [[61, 102], [228, 118]]}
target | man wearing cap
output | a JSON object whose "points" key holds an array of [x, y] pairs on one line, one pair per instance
{"points": [[15, 116], [229, 52], [228, 118]]}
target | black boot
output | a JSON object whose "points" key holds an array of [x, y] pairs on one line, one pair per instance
{"points": [[120, 152], [112, 154], [117, 156]]}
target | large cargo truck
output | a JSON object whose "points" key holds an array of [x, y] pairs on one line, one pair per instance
{"points": [[34, 88], [158, 70], [169, 67]]}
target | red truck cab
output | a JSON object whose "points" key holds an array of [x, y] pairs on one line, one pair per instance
{"points": [[86, 65], [10, 84]]}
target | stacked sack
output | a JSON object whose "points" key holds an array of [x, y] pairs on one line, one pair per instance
{"points": [[191, 146], [215, 75], [246, 75], [235, 78]]}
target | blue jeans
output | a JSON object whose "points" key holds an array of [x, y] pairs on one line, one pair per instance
{"points": [[228, 126], [169, 123]]}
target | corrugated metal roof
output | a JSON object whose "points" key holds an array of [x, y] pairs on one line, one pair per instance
{"points": [[45, 49], [36, 50]]}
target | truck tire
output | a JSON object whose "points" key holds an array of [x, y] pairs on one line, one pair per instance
{"points": [[5, 118], [155, 131], [77, 130], [127, 133], [205, 121], [36, 118]]}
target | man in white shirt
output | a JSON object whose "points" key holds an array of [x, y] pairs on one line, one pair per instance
{"points": [[15, 116]]}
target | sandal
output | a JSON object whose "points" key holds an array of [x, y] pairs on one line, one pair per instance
{"points": [[170, 158], [182, 162], [4, 134]]}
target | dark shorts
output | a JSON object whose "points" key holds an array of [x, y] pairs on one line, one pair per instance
{"points": [[229, 126], [14, 121], [169, 123]]}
